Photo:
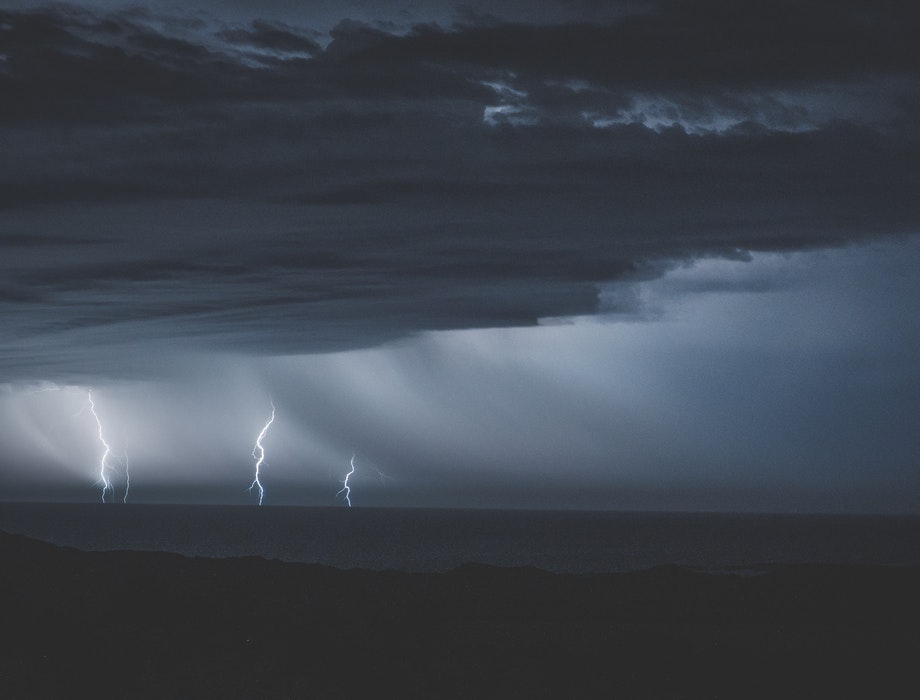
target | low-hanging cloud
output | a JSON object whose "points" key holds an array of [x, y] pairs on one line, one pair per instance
{"points": [[189, 196], [734, 392]]}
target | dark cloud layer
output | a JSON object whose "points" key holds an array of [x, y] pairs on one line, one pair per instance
{"points": [[272, 37], [263, 186]]}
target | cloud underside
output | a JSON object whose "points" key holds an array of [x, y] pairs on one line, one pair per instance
{"points": [[262, 187]]}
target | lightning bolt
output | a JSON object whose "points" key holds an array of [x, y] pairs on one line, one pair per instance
{"points": [[127, 474], [380, 475], [346, 489], [260, 458], [103, 463]]}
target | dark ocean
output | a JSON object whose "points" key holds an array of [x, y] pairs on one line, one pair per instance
{"points": [[441, 540]]}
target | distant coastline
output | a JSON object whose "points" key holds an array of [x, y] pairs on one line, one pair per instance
{"points": [[155, 625], [423, 540]]}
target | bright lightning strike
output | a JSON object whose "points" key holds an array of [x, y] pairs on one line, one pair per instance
{"points": [[127, 474], [346, 489], [103, 463], [260, 458]]}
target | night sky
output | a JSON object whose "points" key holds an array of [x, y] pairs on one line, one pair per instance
{"points": [[555, 254]]}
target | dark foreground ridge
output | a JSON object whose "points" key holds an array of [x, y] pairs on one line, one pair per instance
{"points": [[153, 625]]}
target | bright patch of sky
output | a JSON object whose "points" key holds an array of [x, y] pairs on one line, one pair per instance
{"points": [[720, 374]]}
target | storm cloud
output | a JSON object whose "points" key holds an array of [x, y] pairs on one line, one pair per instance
{"points": [[261, 180], [468, 175]]}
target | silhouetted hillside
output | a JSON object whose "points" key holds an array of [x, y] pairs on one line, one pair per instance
{"points": [[152, 625]]}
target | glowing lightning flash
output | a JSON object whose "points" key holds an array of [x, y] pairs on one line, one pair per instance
{"points": [[346, 489], [103, 463], [260, 458], [127, 474]]}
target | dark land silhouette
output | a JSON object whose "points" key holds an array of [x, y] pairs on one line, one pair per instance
{"points": [[156, 625]]}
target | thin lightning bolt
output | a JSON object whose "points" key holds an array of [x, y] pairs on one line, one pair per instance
{"points": [[127, 474], [346, 489], [103, 466], [260, 458], [380, 475]]}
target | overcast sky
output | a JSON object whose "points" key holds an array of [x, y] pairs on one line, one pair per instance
{"points": [[567, 253]]}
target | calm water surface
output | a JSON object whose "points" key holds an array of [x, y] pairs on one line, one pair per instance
{"points": [[440, 540]]}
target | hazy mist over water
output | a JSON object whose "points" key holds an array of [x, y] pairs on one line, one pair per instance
{"points": [[440, 540]]}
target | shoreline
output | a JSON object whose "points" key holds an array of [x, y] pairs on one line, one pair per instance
{"points": [[161, 625], [441, 540]]}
